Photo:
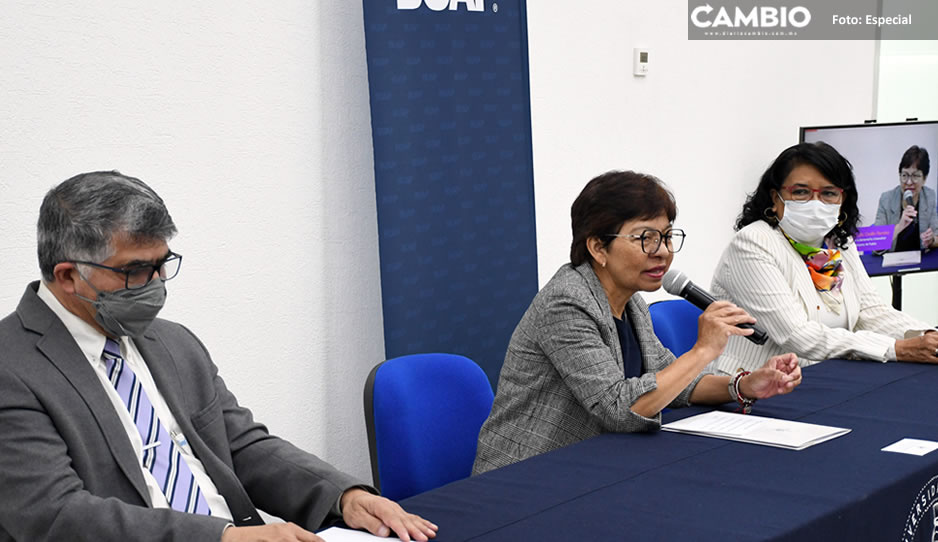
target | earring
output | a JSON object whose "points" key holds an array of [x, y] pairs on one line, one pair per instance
{"points": [[769, 214], [604, 264], [843, 219]]}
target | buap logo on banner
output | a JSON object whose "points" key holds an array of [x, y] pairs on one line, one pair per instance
{"points": [[811, 19], [440, 5]]}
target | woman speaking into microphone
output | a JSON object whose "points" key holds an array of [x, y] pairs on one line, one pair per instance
{"points": [[585, 360], [911, 205]]}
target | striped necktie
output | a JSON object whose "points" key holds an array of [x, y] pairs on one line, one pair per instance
{"points": [[161, 454]]}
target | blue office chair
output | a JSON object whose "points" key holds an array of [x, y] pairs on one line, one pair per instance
{"points": [[423, 413], [675, 323]]}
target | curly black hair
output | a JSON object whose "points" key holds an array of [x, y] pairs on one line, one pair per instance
{"points": [[830, 163]]}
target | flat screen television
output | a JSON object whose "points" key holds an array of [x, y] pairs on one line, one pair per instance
{"points": [[875, 151]]}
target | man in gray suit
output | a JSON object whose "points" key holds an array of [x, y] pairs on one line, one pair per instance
{"points": [[116, 425]]}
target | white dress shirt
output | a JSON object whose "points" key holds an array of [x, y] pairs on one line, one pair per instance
{"points": [[91, 343]]}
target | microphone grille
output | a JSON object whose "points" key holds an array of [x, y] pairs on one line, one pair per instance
{"points": [[674, 282], [907, 194]]}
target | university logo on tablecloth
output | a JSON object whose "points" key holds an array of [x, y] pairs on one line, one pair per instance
{"points": [[922, 523]]}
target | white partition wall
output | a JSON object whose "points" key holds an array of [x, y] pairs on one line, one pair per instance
{"points": [[708, 118]]}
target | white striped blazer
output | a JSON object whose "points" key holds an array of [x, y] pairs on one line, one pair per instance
{"points": [[762, 273]]}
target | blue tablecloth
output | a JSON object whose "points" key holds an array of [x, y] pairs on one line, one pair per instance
{"points": [[668, 486]]}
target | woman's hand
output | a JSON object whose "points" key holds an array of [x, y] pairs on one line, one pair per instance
{"points": [[928, 237], [908, 215], [924, 348], [715, 326], [778, 376]]}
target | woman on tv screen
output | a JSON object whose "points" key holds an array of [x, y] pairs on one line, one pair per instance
{"points": [[911, 206]]}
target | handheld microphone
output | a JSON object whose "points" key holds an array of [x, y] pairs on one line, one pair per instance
{"points": [[907, 196], [677, 283]]}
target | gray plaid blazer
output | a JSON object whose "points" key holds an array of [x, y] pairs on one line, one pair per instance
{"points": [[563, 378]]}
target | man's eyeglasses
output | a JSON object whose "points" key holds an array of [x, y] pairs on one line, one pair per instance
{"points": [[917, 177], [651, 240], [800, 192], [138, 276]]}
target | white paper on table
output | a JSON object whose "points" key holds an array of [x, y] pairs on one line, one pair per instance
{"points": [[756, 429], [907, 257], [912, 446], [336, 534]]}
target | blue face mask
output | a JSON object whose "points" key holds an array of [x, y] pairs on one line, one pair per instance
{"points": [[127, 312]]}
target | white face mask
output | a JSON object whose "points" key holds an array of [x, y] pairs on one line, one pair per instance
{"points": [[809, 222]]}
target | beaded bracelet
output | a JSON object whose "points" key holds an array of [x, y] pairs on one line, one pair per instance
{"points": [[745, 403]]}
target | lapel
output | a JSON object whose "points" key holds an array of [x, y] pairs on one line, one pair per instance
{"points": [[58, 346], [599, 295], [165, 374], [804, 286], [851, 300], [164, 367], [646, 337]]}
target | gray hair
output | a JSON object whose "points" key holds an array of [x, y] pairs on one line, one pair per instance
{"points": [[79, 218]]}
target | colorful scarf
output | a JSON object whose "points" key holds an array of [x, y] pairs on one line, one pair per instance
{"points": [[824, 264]]}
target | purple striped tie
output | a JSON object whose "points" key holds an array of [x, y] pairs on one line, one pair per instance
{"points": [[161, 455]]}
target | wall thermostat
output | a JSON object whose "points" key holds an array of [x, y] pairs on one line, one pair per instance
{"points": [[639, 61]]}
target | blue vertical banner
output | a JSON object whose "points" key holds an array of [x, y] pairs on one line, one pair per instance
{"points": [[451, 123]]}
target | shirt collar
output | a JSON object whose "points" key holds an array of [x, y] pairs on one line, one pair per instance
{"points": [[89, 339]]}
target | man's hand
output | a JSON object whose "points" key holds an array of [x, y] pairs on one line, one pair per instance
{"points": [[381, 516], [275, 532], [778, 376]]}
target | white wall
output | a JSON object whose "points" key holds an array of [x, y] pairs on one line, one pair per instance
{"points": [[251, 120], [908, 88], [708, 119]]}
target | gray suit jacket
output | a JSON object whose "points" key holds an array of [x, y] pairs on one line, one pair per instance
{"points": [[563, 378], [69, 472], [890, 209]]}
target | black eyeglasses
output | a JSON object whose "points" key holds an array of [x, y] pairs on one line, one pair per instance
{"points": [[138, 276], [651, 240]]}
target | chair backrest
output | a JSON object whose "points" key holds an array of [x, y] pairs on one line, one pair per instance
{"points": [[675, 323], [423, 413]]}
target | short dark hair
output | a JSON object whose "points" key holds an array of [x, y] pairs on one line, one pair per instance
{"points": [[80, 216], [916, 157], [830, 163], [612, 199]]}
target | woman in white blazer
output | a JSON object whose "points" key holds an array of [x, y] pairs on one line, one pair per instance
{"points": [[793, 266]]}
